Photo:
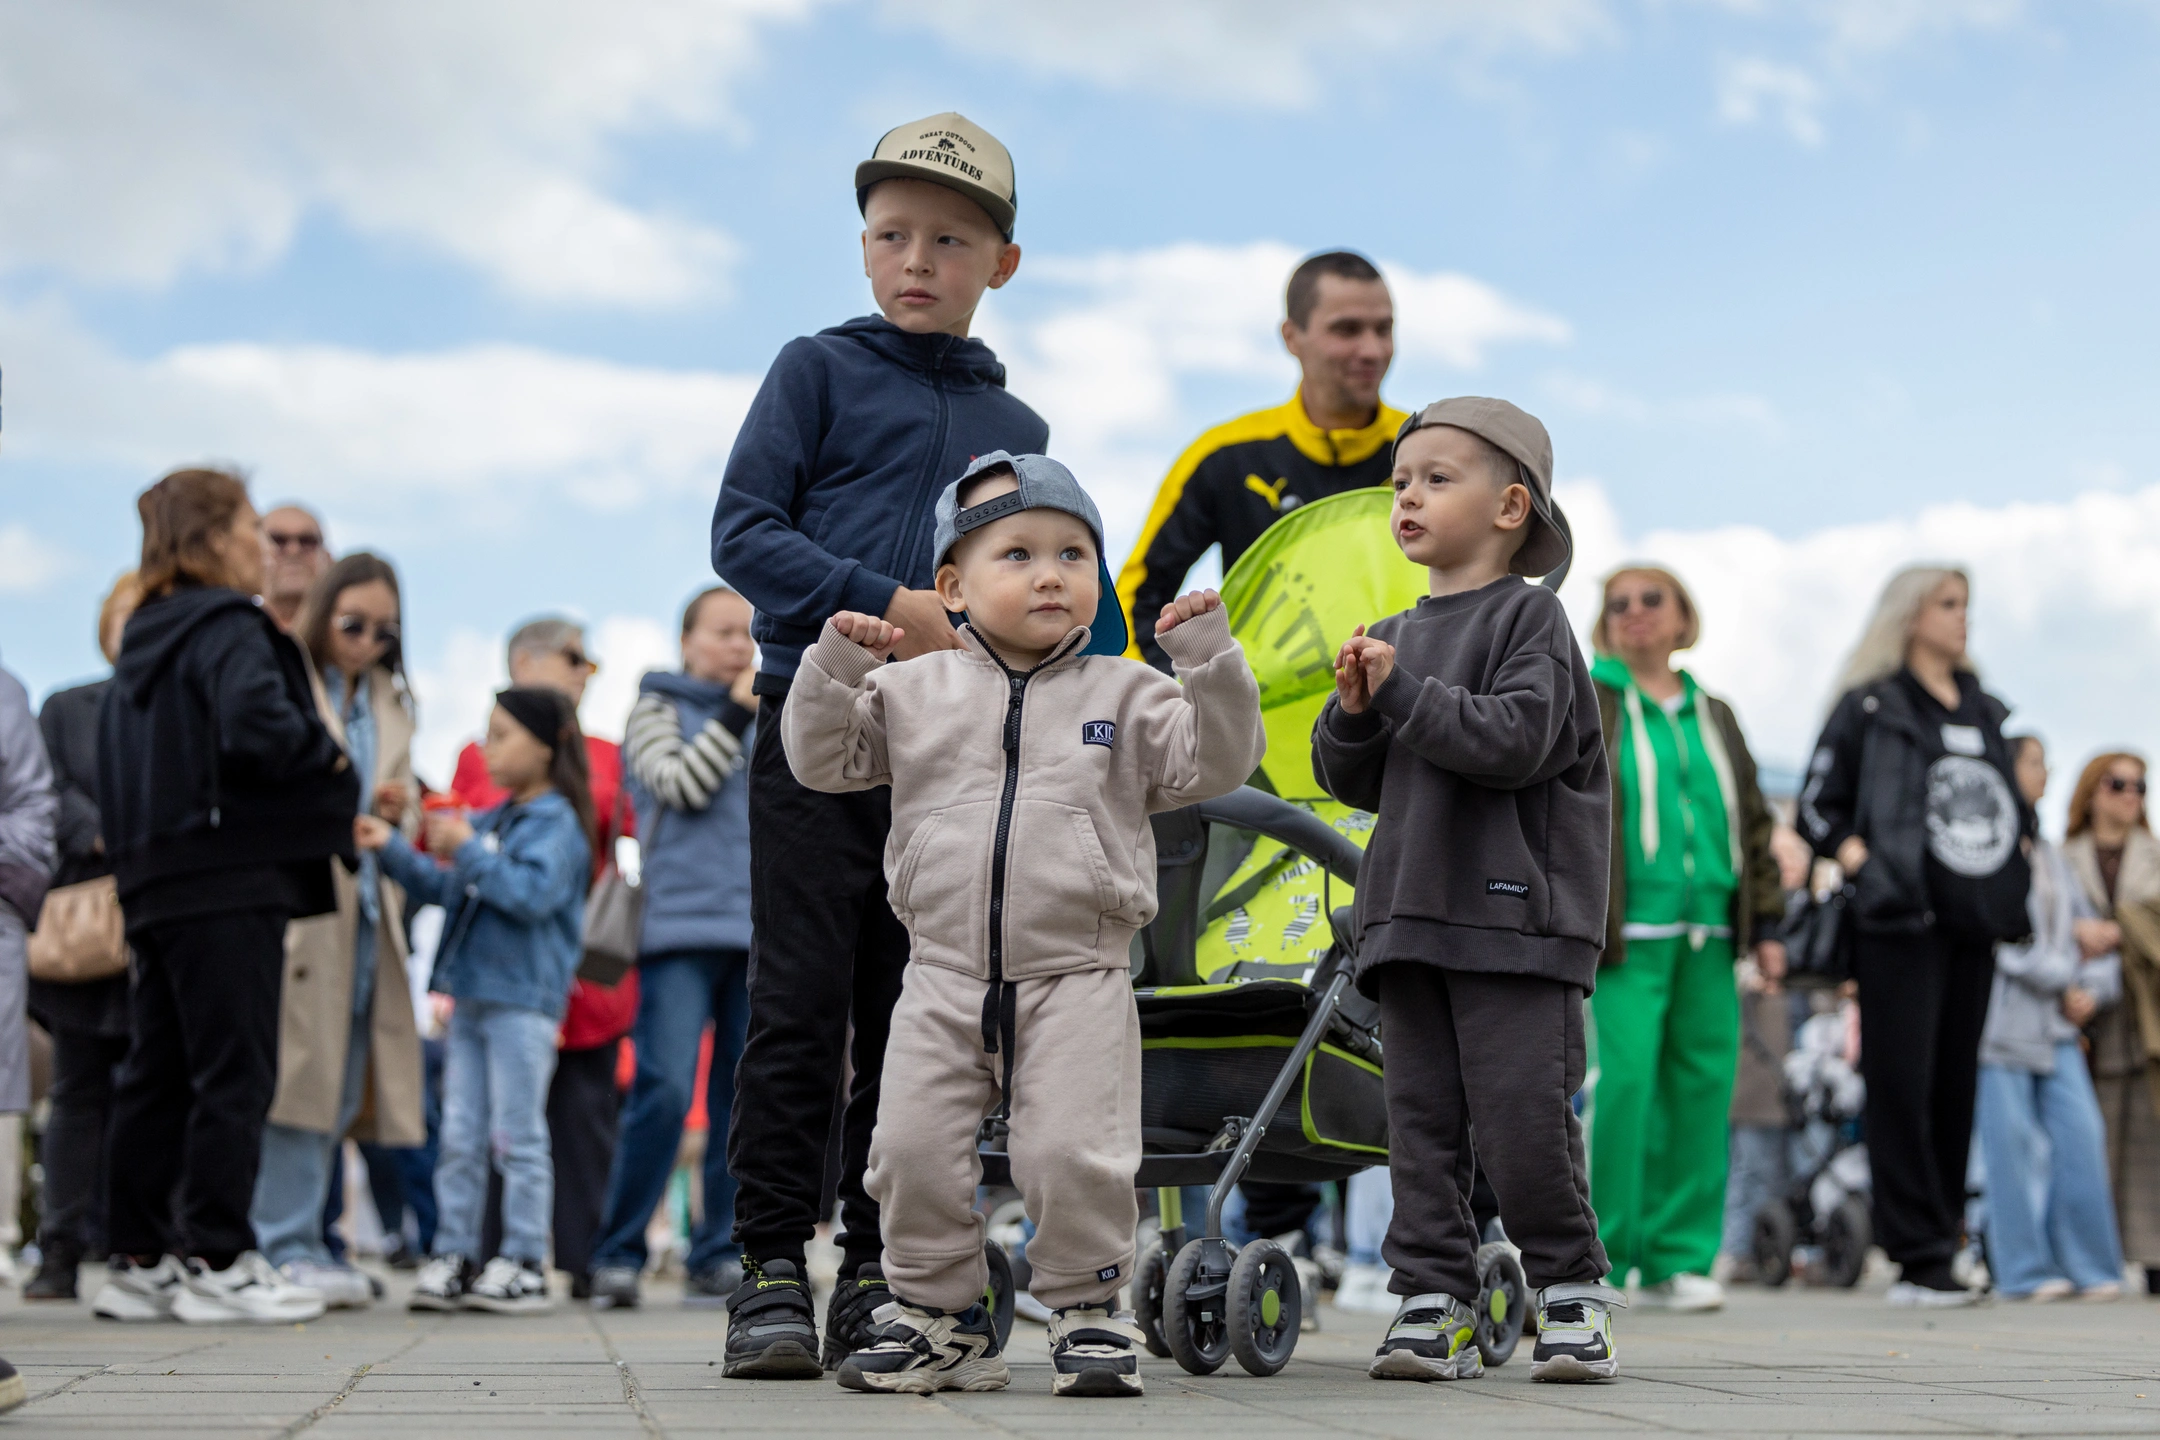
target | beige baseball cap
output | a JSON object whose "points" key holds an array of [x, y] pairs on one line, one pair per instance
{"points": [[949, 150], [1523, 436]]}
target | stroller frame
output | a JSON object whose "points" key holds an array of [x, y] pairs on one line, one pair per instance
{"points": [[1200, 1299]]}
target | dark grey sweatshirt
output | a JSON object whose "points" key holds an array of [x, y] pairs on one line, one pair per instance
{"points": [[1482, 757]]}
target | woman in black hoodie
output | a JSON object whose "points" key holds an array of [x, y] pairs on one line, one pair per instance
{"points": [[223, 799], [1913, 792]]}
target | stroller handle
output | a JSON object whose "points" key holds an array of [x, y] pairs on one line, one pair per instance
{"points": [[1276, 818]]}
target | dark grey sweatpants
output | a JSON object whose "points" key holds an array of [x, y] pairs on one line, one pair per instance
{"points": [[1503, 1053]]}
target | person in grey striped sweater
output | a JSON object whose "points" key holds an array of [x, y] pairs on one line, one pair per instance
{"points": [[683, 761]]}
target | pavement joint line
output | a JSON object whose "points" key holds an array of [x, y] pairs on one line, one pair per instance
{"points": [[631, 1395], [113, 1367], [360, 1372]]}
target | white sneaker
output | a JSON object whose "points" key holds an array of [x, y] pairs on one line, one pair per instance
{"points": [[1683, 1293], [249, 1290], [341, 1286], [1094, 1351], [140, 1292], [1575, 1339], [509, 1287], [1905, 1295], [1364, 1291]]}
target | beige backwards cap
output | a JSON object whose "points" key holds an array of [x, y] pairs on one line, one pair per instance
{"points": [[949, 150], [1522, 437]]}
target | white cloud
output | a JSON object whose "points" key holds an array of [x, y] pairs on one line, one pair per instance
{"points": [[370, 430], [1259, 53], [141, 141], [1587, 395], [2066, 607], [1752, 90], [28, 561]]}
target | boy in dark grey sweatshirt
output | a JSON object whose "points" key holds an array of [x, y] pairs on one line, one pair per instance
{"points": [[1468, 724]]}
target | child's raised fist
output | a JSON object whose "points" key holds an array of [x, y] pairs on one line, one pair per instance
{"points": [[1361, 667], [1185, 607], [875, 635]]}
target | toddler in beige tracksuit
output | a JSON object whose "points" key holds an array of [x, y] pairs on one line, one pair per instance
{"points": [[1024, 762]]}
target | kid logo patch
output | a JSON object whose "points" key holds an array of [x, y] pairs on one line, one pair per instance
{"points": [[1107, 1273], [1507, 887], [1098, 732]]}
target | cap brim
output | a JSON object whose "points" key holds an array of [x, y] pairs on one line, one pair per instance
{"points": [[1548, 548], [1107, 636], [1000, 210]]}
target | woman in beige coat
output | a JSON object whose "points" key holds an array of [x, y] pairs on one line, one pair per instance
{"points": [[348, 1049], [2114, 855]]}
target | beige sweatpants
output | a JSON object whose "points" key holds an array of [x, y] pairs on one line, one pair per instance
{"points": [[1075, 1141]]}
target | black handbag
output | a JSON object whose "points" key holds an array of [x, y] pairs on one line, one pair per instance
{"points": [[1818, 936]]}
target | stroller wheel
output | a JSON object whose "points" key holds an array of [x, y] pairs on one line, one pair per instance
{"points": [[1147, 1298], [1775, 1236], [1503, 1302], [1266, 1305], [998, 1295], [1195, 1312], [1846, 1236]]}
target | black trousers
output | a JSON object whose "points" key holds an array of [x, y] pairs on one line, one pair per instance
{"points": [[824, 947], [1502, 1053], [584, 1115], [201, 1067], [1923, 1002], [85, 1067]]}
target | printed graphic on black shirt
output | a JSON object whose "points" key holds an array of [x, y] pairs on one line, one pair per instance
{"points": [[1972, 819]]}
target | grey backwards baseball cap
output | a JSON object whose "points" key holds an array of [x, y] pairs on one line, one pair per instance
{"points": [[1044, 485], [1521, 435]]}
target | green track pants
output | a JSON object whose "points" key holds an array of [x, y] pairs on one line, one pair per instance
{"points": [[1665, 1041]]}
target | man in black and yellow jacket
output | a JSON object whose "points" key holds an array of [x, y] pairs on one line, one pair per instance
{"points": [[1334, 434]]}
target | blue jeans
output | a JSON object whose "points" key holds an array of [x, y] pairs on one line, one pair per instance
{"points": [[293, 1185], [1761, 1171], [1370, 1206], [497, 1062], [402, 1177], [2050, 1215], [677, 993]]}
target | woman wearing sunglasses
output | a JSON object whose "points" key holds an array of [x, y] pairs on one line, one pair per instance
{"points": [[2112, 851], [1694, 886], [1913, 791], [346, 1019]]}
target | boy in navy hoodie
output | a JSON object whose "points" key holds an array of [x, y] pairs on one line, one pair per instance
{"points": [[827, 505]]}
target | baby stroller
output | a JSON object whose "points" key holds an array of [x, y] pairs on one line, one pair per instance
{"points": [[1269, 1076], [1820, 1226]]}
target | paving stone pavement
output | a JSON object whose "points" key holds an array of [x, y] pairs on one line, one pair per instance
{"points": [[1801, 1362]]}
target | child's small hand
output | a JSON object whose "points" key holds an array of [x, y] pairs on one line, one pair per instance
{"points": [[875, 635], [370, 832], [446, 831], [1378, 660], [1185, 607], [1350, 689]]}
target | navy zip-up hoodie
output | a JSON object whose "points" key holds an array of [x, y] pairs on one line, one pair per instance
{"points": [[830, 491]]}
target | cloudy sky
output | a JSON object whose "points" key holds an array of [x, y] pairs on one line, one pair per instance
{"points": [[1803, 289]]}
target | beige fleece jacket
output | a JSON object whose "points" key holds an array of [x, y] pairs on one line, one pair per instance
{"points": [[1103, 743]]}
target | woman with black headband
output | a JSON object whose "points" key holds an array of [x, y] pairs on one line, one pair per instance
{"points": [[514, 893]]}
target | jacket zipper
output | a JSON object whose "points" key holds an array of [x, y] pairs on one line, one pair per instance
{"points": [[912, 540], [1016, 695]]}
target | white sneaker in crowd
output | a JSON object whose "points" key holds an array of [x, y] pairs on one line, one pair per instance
{"points": [[341, 1286], [250, 1291], [1686, 1293], [1907, 1295], [1364, 1291], [139, 1292], [509, 1287]]}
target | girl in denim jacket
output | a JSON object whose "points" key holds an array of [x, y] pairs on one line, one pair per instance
{"points": [[513, 887]]}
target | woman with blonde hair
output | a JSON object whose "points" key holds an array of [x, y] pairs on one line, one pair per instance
{"points": [[1913, 792], [1694, 886], [2112, 851]]}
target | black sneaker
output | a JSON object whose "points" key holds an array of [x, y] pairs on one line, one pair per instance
{"points": [[707, 1289], [510, 1287], [1433, 1337], [55, 1279], [772, 1326], [1575, 1339], [614, 1287], [12, 1390], [920, 1352], [442, 1283], [849, 1316], [1094, 1352]]}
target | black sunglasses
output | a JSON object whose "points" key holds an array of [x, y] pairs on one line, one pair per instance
{"points": [[302, 542], [2117, 784], [355, 627], [578, 659], [1651, 600]]}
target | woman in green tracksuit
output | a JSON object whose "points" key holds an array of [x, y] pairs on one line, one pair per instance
{"points": [[1692, 879]]}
